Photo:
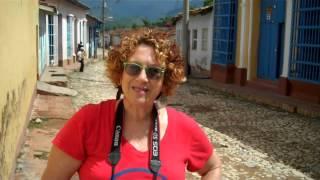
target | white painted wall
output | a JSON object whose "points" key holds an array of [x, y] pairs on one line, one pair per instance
{"points": [[73, 37], [86, 36], [47, 42], [199, 57], [64, 37], [287, 40]]}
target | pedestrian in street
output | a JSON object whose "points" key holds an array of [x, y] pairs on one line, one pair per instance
{"points": [[80, 56], [134, 136]]}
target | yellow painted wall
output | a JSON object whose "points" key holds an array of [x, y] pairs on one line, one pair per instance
{"points": [[246, 34], [254, 39], [18, 74]]}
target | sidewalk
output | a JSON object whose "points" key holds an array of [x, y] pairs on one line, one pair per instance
{"points": [[49, 114], [262, 97]]}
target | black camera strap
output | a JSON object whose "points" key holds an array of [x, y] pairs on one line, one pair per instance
{"points": [[115, 155]]}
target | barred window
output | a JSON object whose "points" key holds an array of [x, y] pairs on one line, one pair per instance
{"points": [[194, 39], [204, 39], [51, 35], [305, 37]]}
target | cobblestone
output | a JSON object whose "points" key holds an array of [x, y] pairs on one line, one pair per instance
{"points": [[92, 85], [262, 140]]}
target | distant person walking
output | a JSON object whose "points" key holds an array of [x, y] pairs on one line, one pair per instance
{"points": [[80, 56]]}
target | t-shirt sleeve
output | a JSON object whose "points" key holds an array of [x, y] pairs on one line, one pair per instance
{"points": [[70, 139], [200, 148]]}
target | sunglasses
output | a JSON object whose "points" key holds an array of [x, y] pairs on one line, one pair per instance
{"points": [[152, 72]]}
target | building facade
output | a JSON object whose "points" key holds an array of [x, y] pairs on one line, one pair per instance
{"points": [[94, 25], [18, 69], [63, 26], [268, 44], [200, 35]]}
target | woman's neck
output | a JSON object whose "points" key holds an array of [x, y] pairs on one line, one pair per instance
{"points": [[137, 113]]}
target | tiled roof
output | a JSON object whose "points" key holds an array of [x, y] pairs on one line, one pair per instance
{"points": [[199, 11], [79, 4], [94, 18]]}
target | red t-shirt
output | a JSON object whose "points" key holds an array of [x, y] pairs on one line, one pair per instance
{"points": [[87, 136]]}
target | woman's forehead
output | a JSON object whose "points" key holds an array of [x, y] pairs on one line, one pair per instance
{"points": [[144, 53]]}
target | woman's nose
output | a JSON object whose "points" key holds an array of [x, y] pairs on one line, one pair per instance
{"points": [[143, 75]]}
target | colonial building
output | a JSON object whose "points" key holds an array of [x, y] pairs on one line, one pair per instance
{"points": [[268, 44], [200, 35], [63, 25]]}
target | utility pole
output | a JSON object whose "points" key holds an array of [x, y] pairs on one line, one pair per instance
{"points": [[104, 5], [185, 39]]}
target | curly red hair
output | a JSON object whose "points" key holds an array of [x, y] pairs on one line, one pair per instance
{"points": [[166, 52]]}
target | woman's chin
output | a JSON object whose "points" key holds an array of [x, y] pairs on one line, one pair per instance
{"points": [[140, 101]]}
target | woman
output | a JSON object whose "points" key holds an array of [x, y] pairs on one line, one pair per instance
{"points": [[135, 137]]}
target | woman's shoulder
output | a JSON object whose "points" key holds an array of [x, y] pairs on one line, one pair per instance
{"points": [[176, 112], [94, 108], [180, 118]]}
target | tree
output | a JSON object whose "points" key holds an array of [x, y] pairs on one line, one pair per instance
{"points": [[162, 22], [134, 26], [207, 2], [146, 22]]}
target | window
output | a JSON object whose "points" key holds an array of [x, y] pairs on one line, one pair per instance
{"points": [[194, 39], [51, 39], [204, 40], [305, 41], [224, 33]]}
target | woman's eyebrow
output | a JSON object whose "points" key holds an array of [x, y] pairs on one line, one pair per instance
{"points": [[137, 62]]}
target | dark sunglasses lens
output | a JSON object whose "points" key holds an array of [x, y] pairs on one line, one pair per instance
{"points": [[133, 69], [153, 73]]}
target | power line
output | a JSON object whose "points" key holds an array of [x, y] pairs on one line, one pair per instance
{"points": [[104, 4]]}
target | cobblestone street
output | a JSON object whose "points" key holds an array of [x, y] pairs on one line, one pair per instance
{"points": [[254, 141]]}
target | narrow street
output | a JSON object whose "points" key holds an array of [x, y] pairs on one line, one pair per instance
{"points": [[253, 141]]}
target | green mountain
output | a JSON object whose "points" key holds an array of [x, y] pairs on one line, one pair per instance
{"points": [[129, 12]]}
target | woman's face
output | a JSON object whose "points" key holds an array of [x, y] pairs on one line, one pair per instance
{"points": [[139, 89]]}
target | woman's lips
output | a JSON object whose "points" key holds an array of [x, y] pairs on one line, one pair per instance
{"points": [[140, 90]]}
